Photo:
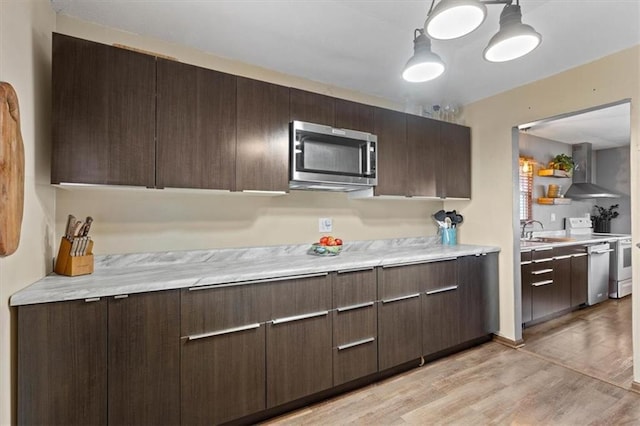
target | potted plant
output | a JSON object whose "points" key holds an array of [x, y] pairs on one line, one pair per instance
{"points": [[562, 162], [602, 220]]}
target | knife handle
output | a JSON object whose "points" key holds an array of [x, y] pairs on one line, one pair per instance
{"points": [[86, 227]]}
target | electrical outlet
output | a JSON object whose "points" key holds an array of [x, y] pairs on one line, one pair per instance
{"points": [[553, 217], [325, 224]]}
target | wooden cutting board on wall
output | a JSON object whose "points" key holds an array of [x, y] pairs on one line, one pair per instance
{"points": [[11, 171]]}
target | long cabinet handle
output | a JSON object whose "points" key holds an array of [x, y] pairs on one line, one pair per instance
{"points": [[358, 343], [442, 290], [397, 299], [602, 251], [358, 306], [92, 299], [525, 262], [299, 317], [121, 296], [541, 283], [266, 280], [543, 249], [580, 254], [419, 262], [346, 271], [546, 259], [563, 257], [541, 271], [221, 332]]}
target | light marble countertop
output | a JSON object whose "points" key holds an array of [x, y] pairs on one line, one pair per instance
{"points": [[144, 272], [575, 239]]}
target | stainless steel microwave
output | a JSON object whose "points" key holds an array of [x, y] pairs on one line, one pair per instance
{"points": [[330, 159]]}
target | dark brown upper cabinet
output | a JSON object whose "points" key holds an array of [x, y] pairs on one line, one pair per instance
{"points": [[262, 149], [334, 112], [103, 114], [312, 107], [455, 179], [196, 127], [423, 164], [353, 115], [391, 129]]}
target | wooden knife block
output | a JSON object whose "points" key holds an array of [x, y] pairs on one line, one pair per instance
{"points": [[73, 265]]}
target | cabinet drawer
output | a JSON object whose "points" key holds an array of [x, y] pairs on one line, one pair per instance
{"points": [[354, 287], [525, 256], [354, 325], [355, 360], [438, 276], [400, 281], [223, 307], [542, 275], [300, 296], [541, 254]]}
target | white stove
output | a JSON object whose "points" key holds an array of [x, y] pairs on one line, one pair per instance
{"points": [[619, 258]]}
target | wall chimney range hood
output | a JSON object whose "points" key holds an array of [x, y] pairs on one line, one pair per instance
{"points": [[581, 187]]}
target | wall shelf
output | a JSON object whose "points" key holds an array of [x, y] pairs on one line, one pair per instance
{"points": [[554, 173], [552, 201]]}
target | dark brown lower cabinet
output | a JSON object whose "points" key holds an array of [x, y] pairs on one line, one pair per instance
{"points": [[62, 363], [298, 357], [144, 359], [525, 281], [223, 375], [478, 281], [579, 275], [440, 306], [399, 330]]}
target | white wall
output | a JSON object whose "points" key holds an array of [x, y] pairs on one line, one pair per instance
{"points": [[25, 58], [492, 217]]}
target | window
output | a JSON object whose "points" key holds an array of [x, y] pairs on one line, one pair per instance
{"points": [[526, 187]]}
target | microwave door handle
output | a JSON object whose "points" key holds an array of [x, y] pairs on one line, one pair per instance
{"points": [[368, 156]]}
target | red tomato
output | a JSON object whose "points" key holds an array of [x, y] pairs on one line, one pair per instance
{"points": [[323, 240], [338, 242]]}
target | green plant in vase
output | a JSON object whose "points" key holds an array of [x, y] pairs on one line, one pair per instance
{"points": [[562, 162], [602, 220]]}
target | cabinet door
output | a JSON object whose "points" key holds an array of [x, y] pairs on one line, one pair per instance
{"points": [[355, 329], [455, 179], [103, 114], [354, 116], [562, 278], [196, 126], [312, 107], [144, 359], [424, 164], [579, 274], [299, 361], [525, 281], [440, 307], [399, 316], [62, 363], [478, 278], [391, 129], [262, 149], [223, 352]]}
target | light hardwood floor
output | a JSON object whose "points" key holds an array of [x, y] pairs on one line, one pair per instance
{"points": [[565, 374]]}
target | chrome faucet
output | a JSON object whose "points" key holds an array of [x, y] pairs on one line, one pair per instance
{"points": [[529, 234]]}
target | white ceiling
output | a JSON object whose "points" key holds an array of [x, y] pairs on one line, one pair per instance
{"points": [[604, 128], [363, 45]]}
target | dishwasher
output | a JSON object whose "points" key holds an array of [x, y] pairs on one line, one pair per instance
{"points": [[598, 277]]}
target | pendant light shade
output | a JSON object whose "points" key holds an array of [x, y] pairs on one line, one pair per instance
{"points": [[514, 39], [424, 65], [451, 19]]}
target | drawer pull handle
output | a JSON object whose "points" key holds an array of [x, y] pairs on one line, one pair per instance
{"points": [[547, 259], [352, 307], [442, 290], [221, 332], [92, 299], [421, 262], [563, 257], [525, 262], [346, 271], [541, 283], [299, 317], [121, 296], [397, 299], [358, 343], [580, 254], [266, 280], [543, 249], [541, 271]]}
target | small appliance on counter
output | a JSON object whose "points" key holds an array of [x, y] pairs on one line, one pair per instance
{"points": [[75, 256]]}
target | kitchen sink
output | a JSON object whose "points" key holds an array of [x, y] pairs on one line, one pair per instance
{"points": [[549, 239]]}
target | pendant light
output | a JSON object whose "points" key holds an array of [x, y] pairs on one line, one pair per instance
{"points": [[514, 39], [424, 65], [451, 19]]}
